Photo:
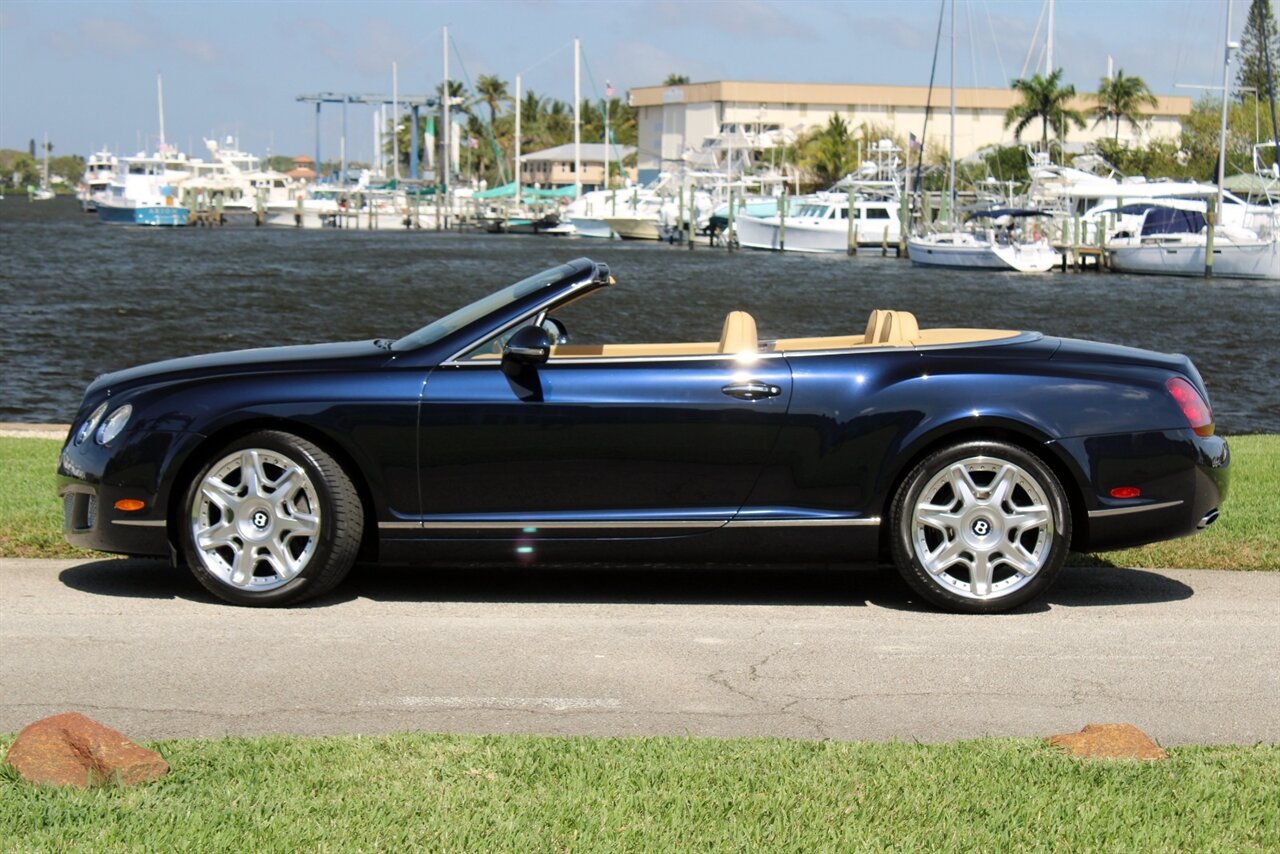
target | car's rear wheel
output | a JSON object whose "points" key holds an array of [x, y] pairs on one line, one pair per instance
{"points": [[980, 527], [271, 520]]}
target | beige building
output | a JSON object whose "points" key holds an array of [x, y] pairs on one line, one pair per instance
{"points": [[554, 167], [676, 119]]}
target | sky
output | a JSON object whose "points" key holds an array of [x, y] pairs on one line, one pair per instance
{"points": [[85, 72]]}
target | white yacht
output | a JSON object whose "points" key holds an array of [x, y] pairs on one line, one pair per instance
{"points": [[820, 223], [144, 191], [97, 177]]}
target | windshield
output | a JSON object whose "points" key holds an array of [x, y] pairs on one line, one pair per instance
{"points": [[450, 323]]}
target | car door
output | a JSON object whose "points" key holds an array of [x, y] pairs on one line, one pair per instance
{"points": [[644, 446]]}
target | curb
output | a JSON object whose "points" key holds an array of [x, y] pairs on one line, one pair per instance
{"points": [[15, 430]]}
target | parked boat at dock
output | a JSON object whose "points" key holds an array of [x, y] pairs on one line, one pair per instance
{"points": [[95, 180], [143, 191], [1175, 242]]}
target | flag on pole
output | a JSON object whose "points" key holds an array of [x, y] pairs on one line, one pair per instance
{"points": [[472, 142], [913, 142], [608, 89]]}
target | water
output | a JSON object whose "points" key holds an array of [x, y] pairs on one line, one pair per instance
{"points": [[78, 299]]}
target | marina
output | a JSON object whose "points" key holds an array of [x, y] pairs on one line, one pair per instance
{"points": [[133, 295]]}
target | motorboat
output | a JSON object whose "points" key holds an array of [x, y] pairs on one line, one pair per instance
{"points": [[95, 180], [143, 190]]}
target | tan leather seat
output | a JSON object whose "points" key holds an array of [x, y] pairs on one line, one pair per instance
{"points": [[739, 334]]}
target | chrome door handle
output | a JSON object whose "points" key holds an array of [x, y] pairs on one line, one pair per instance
{"points": [[752, 390]]}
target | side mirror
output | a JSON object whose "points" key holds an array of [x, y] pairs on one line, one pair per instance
{"points": [[529, 347]]}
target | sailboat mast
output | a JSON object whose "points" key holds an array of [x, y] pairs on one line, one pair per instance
{"points": [[1048, 47], [577, 119], [445, 152], [516, 165], [160, 102], [951, 178], [395, 121], [1226, 97]]}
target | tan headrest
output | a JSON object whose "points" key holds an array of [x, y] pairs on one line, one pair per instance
{"points": [[895, 328], [903, 328], [875, 326], [739, 333]]}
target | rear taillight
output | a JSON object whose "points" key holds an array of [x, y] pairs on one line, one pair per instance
{"points": [[1193, 406]]}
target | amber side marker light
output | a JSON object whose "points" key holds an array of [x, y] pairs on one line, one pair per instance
{"points": [[1126, 492], [130, 505]]}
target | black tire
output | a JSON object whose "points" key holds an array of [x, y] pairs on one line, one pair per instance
{"points": [[980, 504], [270, 520]]}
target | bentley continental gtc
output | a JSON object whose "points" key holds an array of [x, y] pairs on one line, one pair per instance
{"points": [[971, 459]]}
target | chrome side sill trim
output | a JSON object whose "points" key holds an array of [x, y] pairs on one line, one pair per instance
{"points": [[797, 523], [1121, 511], [140, 523], [486, 524], [705, 524]]}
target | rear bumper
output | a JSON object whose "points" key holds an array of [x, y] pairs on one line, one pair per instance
{"points": [[1183, 479]]}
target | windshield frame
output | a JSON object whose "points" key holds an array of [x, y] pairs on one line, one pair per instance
{"points": [[495, 304]]}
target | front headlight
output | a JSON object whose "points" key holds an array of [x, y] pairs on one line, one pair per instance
{"points": [[114, 424], [86, 429]]}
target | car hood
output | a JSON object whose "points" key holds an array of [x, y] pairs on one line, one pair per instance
{"points": [[344, 355]]}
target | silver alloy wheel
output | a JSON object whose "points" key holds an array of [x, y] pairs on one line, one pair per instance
{"points": [[982, 528], [255, 519]]}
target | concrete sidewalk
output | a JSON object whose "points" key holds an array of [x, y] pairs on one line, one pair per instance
{"points": [[1189, 656]]}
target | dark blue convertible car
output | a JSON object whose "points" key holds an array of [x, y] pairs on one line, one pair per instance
{"points": [[973, 459]]}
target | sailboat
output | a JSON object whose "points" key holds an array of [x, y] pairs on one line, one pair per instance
{"points": [[1007, 249], [44, 192]]}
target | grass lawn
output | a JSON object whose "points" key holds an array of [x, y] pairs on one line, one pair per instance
{"points": [[1246, 537], [527, 794]]}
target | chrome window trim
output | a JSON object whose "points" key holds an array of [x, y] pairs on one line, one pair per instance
{"points": [[622, 360], [1141, 508]]}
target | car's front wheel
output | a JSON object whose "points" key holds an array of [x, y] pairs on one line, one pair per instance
{"points": [[271, 520], [980, 527]]}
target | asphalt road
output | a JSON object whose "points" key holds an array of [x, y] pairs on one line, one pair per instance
{"points": [[1188, 656]]}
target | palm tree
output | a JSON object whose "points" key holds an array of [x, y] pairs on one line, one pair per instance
{"points": [[830, 153], [676, 80], [1043, 98], [1119, 98], [492, 92]]}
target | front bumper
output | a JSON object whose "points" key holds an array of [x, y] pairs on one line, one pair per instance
{"points": [[137, 466]]}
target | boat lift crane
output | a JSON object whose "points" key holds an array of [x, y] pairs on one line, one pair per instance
{"points": [[414, 102]]}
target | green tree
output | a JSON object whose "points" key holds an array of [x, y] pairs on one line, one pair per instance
{"points": [[676, 80], [1252, 71], [831, 153], [493, 93], [1046, 99], [1121, 97]]}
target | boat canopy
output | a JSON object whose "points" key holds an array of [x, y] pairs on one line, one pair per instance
{"points": [[1161, 220], [508, 191], [1013, 213]]}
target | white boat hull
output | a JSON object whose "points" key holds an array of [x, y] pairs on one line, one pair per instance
{"points": [[1036, 257], [636, 228], [821, 236], [585, 226], [1231, 260]]}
